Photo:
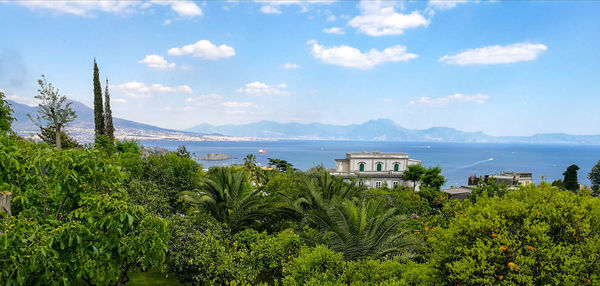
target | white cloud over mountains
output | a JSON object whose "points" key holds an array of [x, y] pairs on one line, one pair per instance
{"points": [[262, 89], [204, 49], [352, 57], [29, 101], [450, 99], [379, 18], [182, 8], [136, 89], [490, 55], [216, 101], [157, 62]]}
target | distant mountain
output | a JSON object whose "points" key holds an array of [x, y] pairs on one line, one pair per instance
{"points": [[381, 130], [83, 127]]}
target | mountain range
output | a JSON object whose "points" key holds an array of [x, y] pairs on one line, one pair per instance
{"points": [[373, 130], [83, 126], [381, 130]]}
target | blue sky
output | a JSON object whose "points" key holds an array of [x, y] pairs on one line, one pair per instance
{"points": [[504, 68]]}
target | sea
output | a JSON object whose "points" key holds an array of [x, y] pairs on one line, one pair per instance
{"points": [[457, 160]]}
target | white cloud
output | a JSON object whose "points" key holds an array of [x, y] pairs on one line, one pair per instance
{"points": [[387, 100], [262, 89], [118, 100], [186, 8], [334, 30], [167, 22], [239, 104], [351, 57], [156, 62], [331, 18], [183, 8], [455, 98], [82, 8], [268, 9], [290, 66], [204, 49], [136, 89], [489, 55], [270, 6], [379, 18], [205, 99], [29, 101], [444, 4]]}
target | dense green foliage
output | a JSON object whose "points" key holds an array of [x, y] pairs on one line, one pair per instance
{"points": [[72, 220], [532, 236], [95, 215], [6, 117]]}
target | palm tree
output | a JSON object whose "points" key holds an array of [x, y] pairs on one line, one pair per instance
{"points": [[227, 197], [362, 229], [319, 194]]}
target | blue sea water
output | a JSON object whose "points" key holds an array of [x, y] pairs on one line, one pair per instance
{"points": [[457, 160]]}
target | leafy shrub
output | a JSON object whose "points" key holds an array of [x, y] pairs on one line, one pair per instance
{"points": [[532, 236], [73, 221]]}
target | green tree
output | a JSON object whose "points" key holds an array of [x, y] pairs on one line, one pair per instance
{"points": [[183, 152], [532, 236], [108, 120], [98, 106], [570, 178], [226, 195], [72, 222], [594, 177], [432, 178], [53, 110], [365, 229], [48, 135], [6, 117], [281, 165], [414, 173]]}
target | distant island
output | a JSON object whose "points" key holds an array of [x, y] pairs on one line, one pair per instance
{"points": [[214, 157]]}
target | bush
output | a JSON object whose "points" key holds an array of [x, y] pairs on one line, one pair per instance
{"points": [[534, 236]]}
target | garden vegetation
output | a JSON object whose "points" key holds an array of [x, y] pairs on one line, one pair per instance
{"points": [[95, 216]]}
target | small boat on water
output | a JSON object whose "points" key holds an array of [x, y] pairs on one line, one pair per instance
{"points": [[262, 151]]}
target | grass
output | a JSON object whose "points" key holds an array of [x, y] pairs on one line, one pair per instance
{"points": [[152, 277]]}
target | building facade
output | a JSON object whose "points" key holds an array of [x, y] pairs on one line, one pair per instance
{"points": [[374, 169]]}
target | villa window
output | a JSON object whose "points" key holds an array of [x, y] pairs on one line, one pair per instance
{"points": [[396, 167], [378, 184], [395, 183], [361, 167], [379, 165]]}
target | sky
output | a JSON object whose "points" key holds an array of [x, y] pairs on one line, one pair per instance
{"points": [[501, 67]]}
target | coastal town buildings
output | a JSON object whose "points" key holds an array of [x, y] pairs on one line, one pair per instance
{"points": [[511, 179], [374, 169]]}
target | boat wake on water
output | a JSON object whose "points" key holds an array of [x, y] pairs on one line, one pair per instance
{"points": [[476, 163]]}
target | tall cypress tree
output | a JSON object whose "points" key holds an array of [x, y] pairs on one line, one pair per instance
{"points": [[98, 108], [108, 121]]}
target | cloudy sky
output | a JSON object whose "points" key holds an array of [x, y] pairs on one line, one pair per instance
{"points": [[504, 68]]}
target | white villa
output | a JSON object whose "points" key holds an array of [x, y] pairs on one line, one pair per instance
{"points": [[374, 169]]}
